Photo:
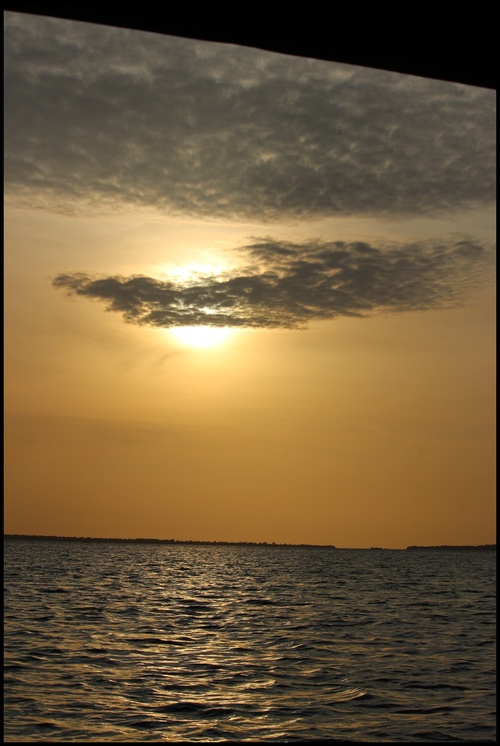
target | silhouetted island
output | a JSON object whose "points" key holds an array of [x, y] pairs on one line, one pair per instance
{"points": [[459, 546], [39, 537]]}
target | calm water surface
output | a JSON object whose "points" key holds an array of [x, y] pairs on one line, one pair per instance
{"points": [[141, 642]]}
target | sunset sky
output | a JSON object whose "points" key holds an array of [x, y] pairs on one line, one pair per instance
{"points": [[248, 296]]}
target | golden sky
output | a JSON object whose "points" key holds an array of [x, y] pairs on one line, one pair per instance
{"points": [[248, 297]]}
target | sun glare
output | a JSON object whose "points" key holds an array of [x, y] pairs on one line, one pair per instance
{"points": [[192, 271], [201, 336]]}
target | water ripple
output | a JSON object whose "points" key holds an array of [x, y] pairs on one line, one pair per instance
{"points": [[107, 642]]}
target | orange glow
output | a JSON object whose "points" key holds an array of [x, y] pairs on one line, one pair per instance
{"points": [[299, 197]]}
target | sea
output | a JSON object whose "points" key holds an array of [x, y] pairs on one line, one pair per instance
{"points": [[127, 641]]}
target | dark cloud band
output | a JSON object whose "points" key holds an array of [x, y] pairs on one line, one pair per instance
{"points": [[102, 118], [288, 285]]}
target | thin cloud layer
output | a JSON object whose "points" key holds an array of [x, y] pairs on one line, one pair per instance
{"points": [[289, 285], [105, 118]]}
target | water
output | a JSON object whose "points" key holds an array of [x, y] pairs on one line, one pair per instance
{"points": [[170, 642]]}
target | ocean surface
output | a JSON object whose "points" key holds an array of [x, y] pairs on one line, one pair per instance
{"points": [[174, 642]]}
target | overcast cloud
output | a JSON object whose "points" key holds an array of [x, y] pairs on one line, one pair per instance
{"points": [[288, 285], [102, 118]]}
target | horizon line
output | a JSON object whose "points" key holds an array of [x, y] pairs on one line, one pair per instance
{"points": [[144, 540]]}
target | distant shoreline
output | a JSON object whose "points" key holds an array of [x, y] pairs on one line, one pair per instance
{"points": [[39, 537], [458, 546]]}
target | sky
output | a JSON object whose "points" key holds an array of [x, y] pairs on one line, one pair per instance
{"points": [[248, 296]]}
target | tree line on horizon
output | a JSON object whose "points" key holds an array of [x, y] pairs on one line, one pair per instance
{"points": [[43, 537]]}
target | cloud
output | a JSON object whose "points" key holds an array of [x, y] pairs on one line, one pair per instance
{"points": [[101, 118], [288, 285]]}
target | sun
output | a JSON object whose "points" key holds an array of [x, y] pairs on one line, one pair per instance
{"points": [[201, 337]]}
